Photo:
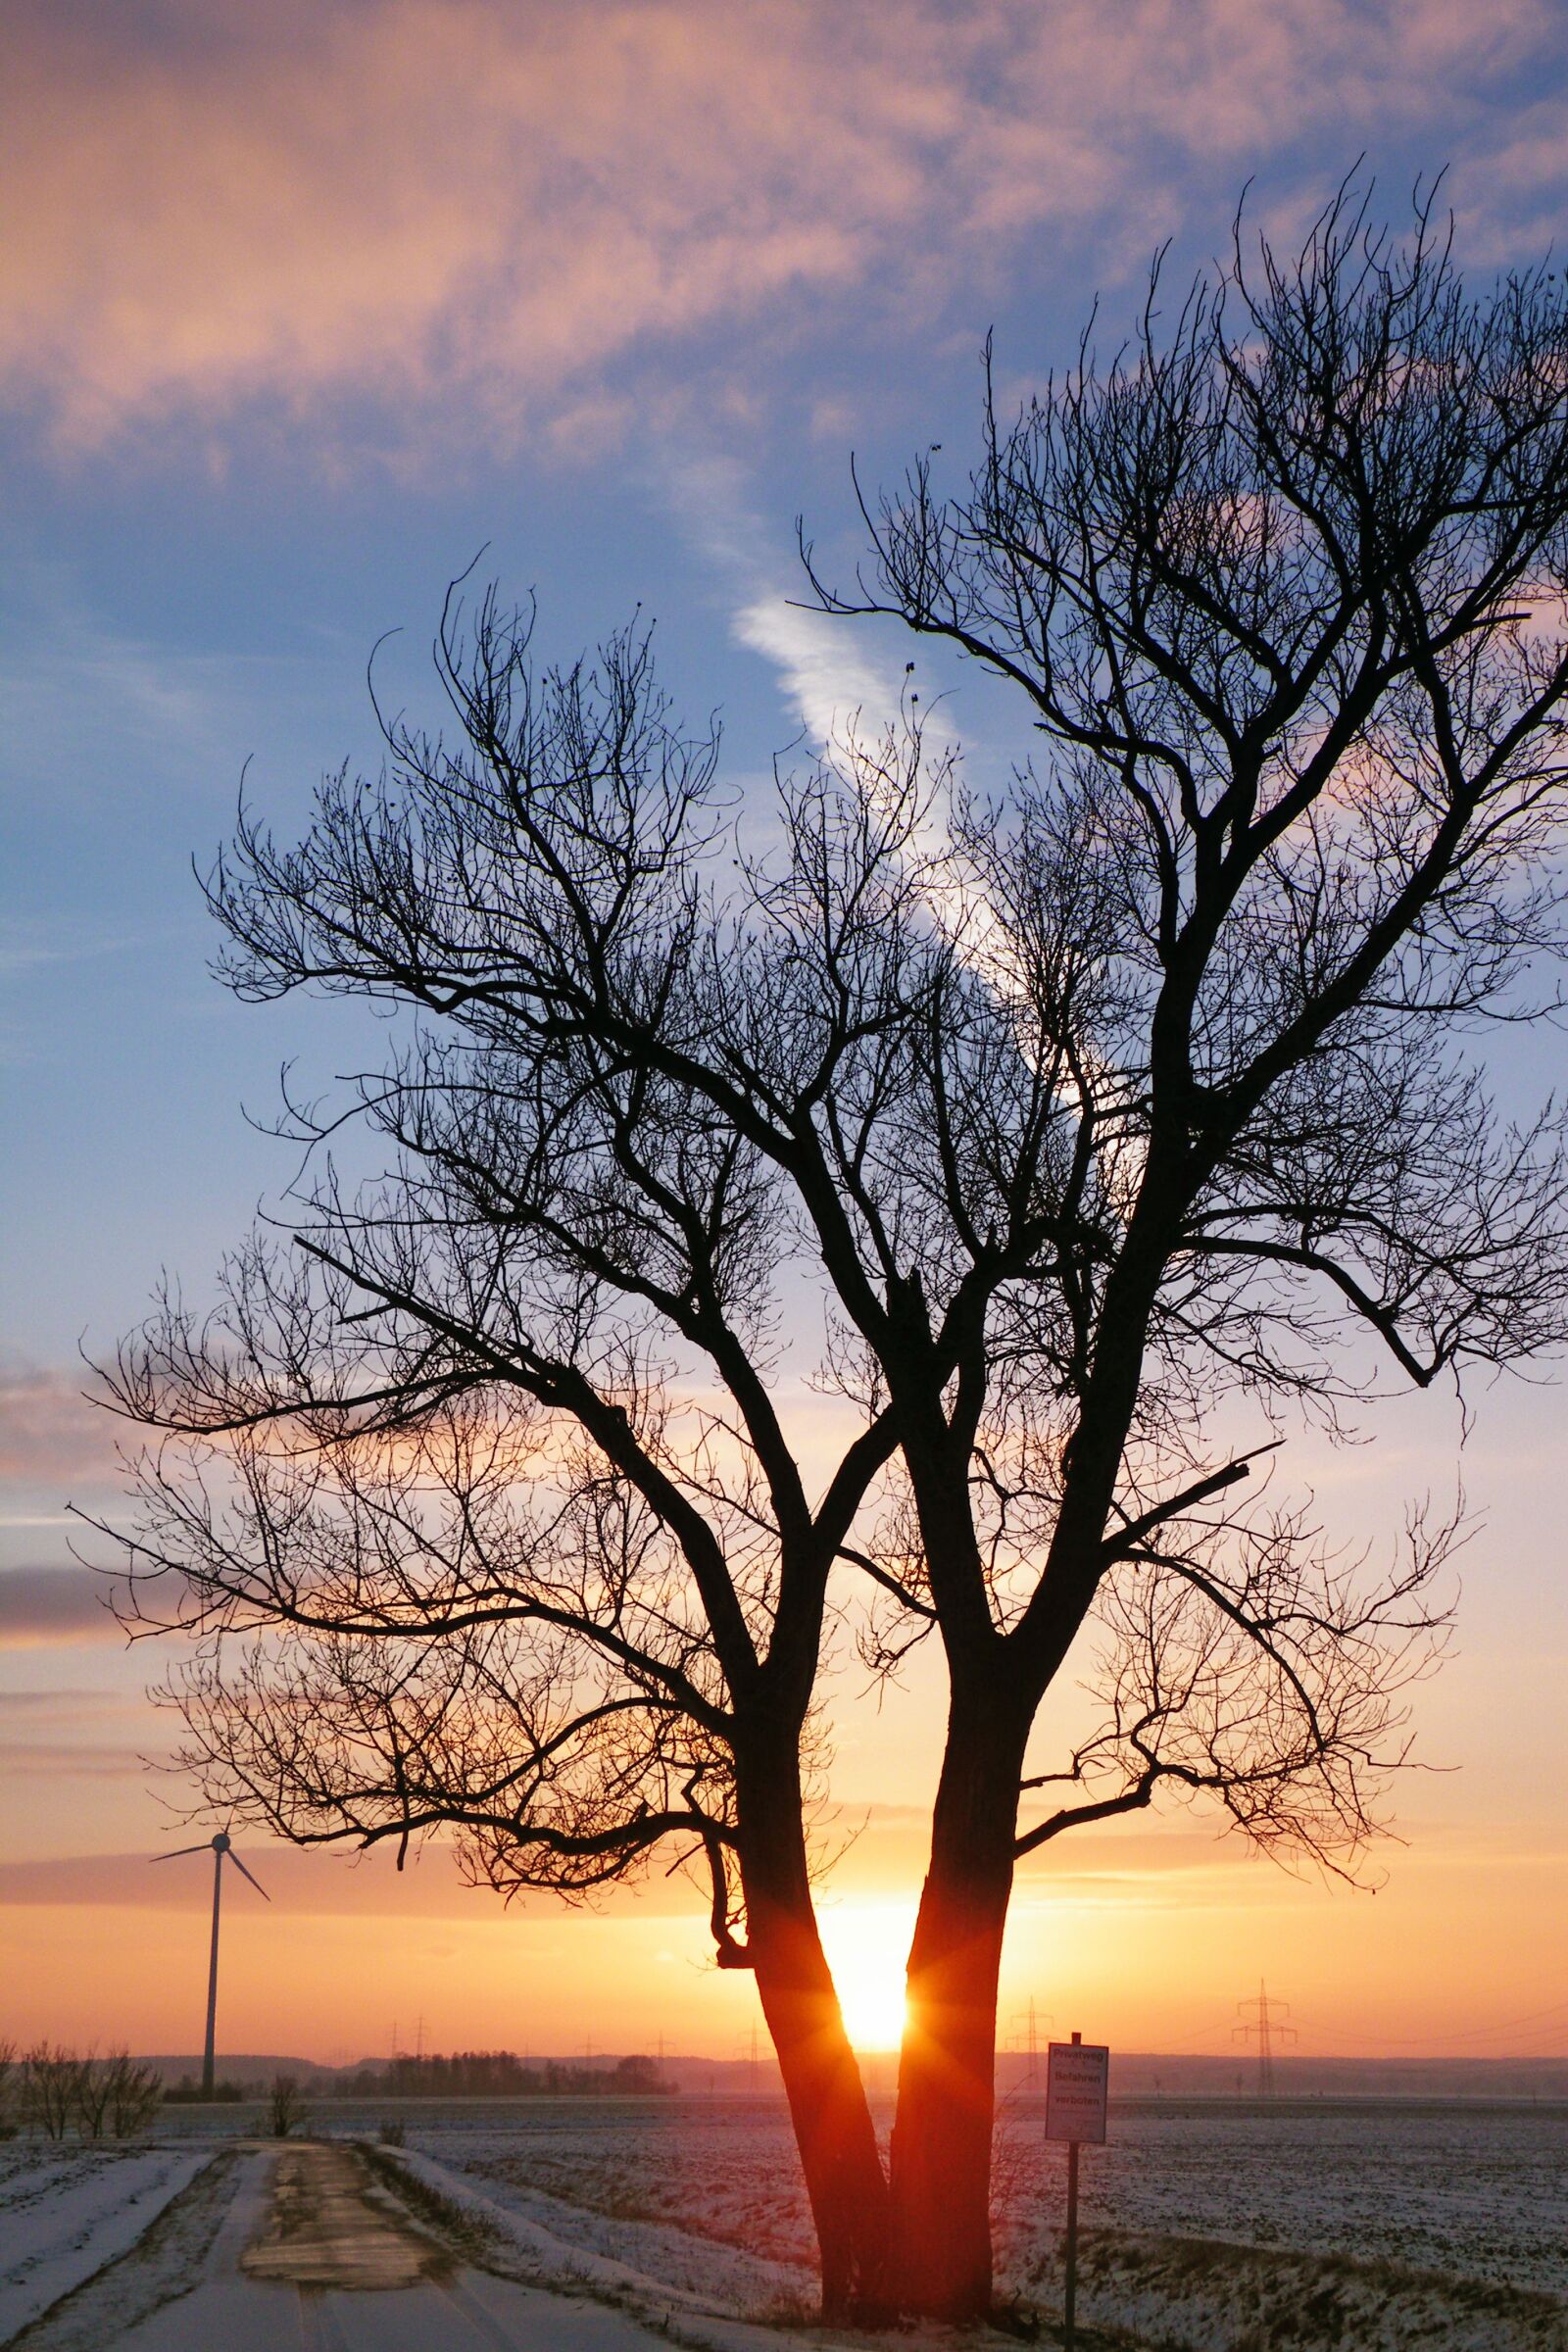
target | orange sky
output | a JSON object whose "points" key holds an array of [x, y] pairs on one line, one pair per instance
{"points": [[1143, 1933]]}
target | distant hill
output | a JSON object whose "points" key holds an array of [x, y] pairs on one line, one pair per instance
{"points": [[1134, 2074], [246, 2067], [1149, 2074]]}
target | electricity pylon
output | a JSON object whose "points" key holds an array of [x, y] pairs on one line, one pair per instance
{"points": [[1268, 2029], [1031, 2021]]}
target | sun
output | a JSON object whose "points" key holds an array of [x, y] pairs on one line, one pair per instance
{"points": [[866, 1950]]}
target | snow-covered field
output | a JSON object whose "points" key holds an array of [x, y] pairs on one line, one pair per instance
{"points": [[66, 2211], [1479, 2195], [1379, 2227]]}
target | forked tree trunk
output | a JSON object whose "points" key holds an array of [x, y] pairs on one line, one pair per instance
{"points": [[941, 2154], [833, 2130]]}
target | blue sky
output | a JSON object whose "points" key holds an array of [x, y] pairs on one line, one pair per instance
{"points": [[301, 308]]}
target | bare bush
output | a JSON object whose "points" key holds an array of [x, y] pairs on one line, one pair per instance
{"points": [[132, 2094], [91, 2099], [51, 2088], [55, 2090], [285, 2107]]}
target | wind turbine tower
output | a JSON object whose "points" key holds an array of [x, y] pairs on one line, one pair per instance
{"points": [[220, 1847]]}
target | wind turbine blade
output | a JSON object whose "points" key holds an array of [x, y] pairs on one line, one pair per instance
{"points": [[244, 1873], [205, 1848]]}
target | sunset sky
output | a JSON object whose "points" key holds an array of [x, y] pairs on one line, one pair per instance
{"points": [[301, 307]]}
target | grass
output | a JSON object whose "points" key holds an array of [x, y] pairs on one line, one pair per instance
{"points": [[466, 2232], [1274, 2298]]}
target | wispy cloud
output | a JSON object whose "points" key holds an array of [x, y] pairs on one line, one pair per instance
{"points": [[414, 199], [821, 679], [80, 696], [48, 1608], [825, 676], [50, 1433], [301, 1885], [65, 1760], [32, 943]]}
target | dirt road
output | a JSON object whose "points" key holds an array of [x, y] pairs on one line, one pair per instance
{"points": [[310, 2254]]}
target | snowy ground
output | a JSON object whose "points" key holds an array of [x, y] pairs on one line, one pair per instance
{"points": [[1479, 2195], [1208, 2228], [191, 2287], [66, 2211]]}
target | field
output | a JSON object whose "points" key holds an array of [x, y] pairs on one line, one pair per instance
{"points": [[67, 2212], [1207, 2227]]}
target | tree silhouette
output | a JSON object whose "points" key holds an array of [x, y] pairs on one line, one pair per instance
{"points": [[1067, 1133]]}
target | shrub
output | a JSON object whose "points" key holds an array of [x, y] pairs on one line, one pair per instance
{"points": [[132, 2094], [285, 2107], [51, 2083]]}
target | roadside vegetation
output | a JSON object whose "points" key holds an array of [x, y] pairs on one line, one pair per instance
{"points": [[53, 2092]]}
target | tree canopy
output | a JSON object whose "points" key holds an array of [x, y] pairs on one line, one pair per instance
{"points": [[1077, 1133]]}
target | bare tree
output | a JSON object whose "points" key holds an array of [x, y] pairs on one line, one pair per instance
{"points": [[284, 2106], [52, 2080], [1079, 1126], [134, 2094], [61, 2091], [10, 2085], [90, 2106]]}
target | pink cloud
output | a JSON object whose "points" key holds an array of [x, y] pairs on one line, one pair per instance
{"points": [[51, 1436], [301, 1883], [460, 208], [49, 1607]]}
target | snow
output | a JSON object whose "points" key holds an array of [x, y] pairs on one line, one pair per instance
{"points": [[1443, 2228], [1393, 2229], [1478, 2194], [67, 2212], [683, 2308]]}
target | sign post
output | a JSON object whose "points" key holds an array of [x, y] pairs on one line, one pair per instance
{"points": [[1077, 2075]]}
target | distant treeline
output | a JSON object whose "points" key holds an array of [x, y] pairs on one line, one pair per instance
{"points": [[499, 2074], [465, 2075]]}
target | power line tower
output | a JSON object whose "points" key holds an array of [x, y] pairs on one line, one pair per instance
{"points": [[1028, 2041], [1267, 2025]]}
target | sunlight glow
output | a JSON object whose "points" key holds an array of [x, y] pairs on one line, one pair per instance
{"points": [[866, 1950]]}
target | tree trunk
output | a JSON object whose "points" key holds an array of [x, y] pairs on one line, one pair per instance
{"points": [[941, 2155], [833, 2129]]}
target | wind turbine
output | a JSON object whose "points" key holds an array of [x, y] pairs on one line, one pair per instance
{"points": [[220, 1845]]}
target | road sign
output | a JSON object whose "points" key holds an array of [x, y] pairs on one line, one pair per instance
{"points": [[1077, 2073], [1076, 2077]]}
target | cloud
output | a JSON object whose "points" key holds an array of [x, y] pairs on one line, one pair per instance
{"points": [[50, 1434], [61, 1706], [824, 675], [67, 1760], [48, 1607], [409, 200], [72, 1735], [820, 679], [303, 1884]]}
